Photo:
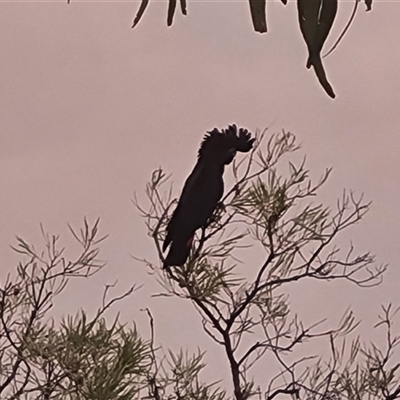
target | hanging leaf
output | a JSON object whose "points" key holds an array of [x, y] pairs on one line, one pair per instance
{"points": [[258, 15], [316, 18], [171, 12], [183, 7], [346, 28], [323, 80], [142, 9]]}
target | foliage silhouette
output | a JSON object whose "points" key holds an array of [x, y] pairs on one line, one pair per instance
{"points": [[243, 306], [315, 17], [251, 318]]}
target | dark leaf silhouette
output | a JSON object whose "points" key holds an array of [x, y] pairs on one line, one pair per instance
{"points": [[183, 7], [257, 10], [203, 190], [171, 12], [139, 14], [346, 28], [316, 18]]}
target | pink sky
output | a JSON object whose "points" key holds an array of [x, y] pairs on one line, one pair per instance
{"points": [[89, 107]]}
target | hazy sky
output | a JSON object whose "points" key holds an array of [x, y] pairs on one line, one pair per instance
{"points": [[89, 108]]}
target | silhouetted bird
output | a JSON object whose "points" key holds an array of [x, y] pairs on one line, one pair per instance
{"points": [[203, 189]]}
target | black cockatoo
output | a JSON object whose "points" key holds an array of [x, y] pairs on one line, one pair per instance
{"points": [[203, 189]]}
